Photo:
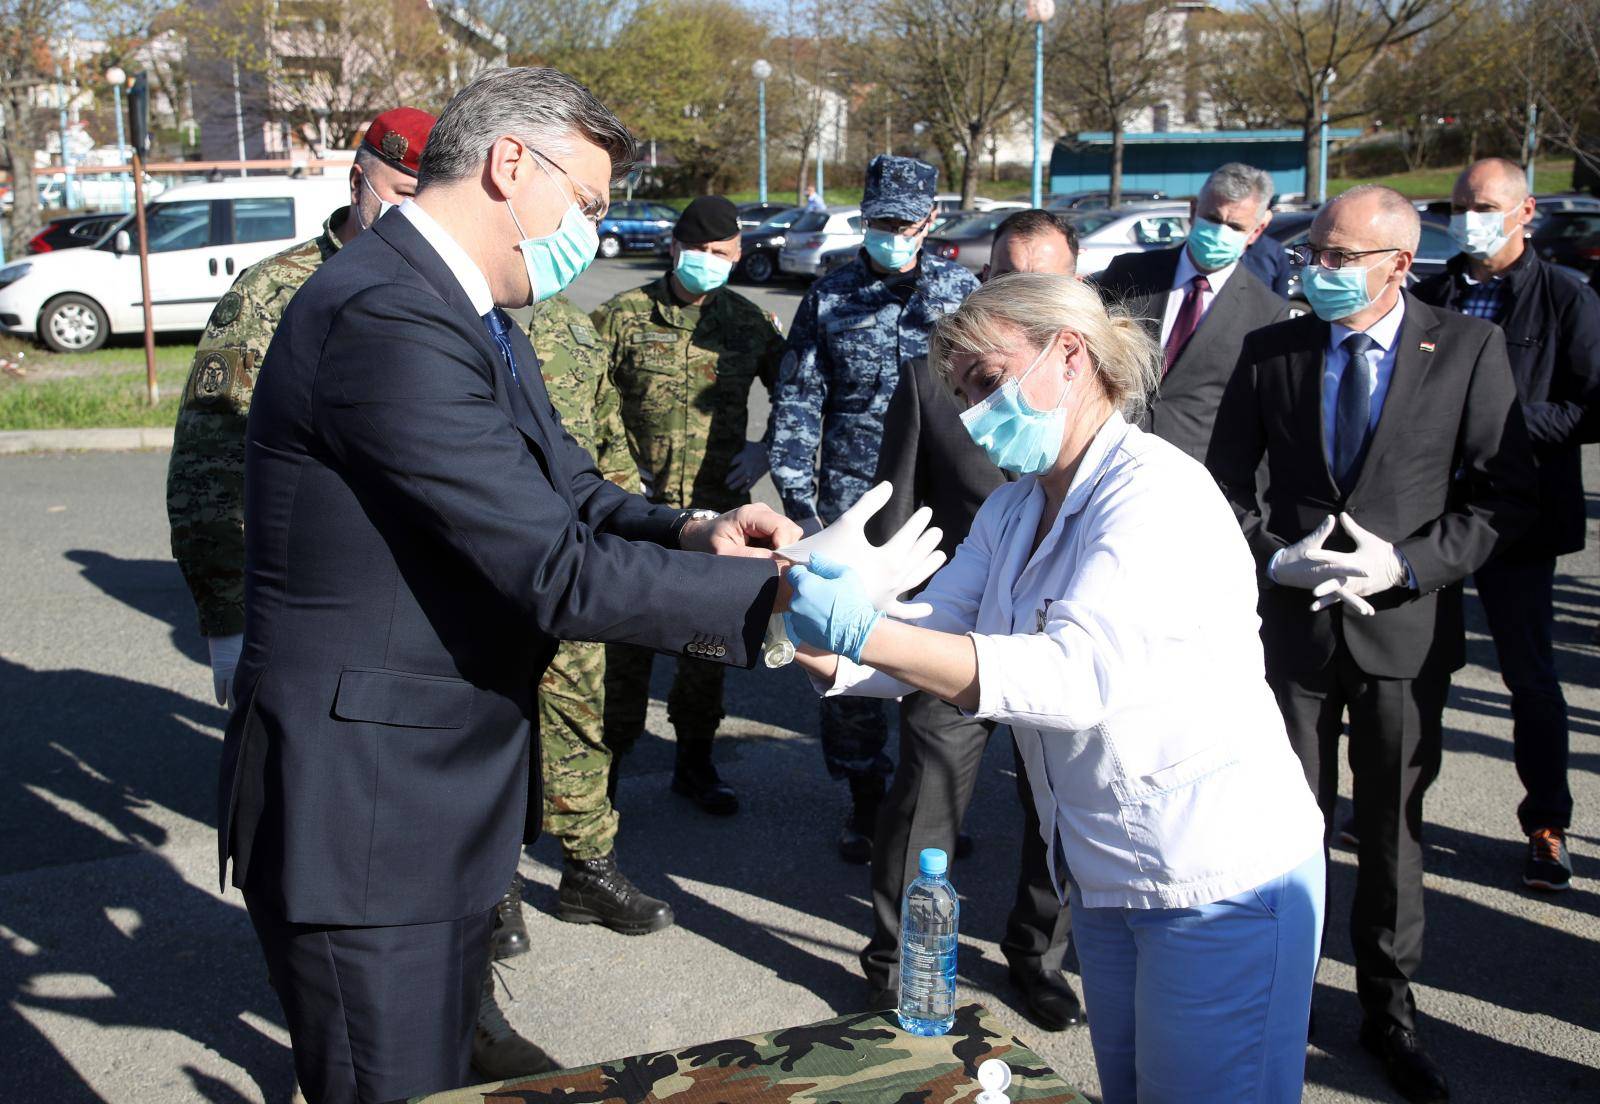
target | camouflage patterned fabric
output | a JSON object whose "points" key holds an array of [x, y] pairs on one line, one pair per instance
{"points": [[684, 374], [205, 475], [858, 1059], [576, 760]]}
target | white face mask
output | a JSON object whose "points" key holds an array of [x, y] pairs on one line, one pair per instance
{"points": [[1480, 234], [384, 206]]}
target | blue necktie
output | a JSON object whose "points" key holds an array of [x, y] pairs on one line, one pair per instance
{"points": [[1352, 417], [496, 321]]}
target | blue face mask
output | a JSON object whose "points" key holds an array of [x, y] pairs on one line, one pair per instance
{"points": [[890, 250], [1336, 294], [1015, 436], [557, 259], [1214, 245], [700, 272]]}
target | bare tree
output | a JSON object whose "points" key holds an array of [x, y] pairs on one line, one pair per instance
{"points": [[25, 61], [1110, 58], [806, 64]]}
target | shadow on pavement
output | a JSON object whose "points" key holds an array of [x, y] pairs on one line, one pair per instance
{"points": [[153, 587]]}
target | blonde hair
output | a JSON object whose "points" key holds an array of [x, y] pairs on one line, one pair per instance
{"points": [[1126, 359]]}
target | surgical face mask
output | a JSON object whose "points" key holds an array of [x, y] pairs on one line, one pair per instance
{"points": [[1015, 436], [384, 206], [890, 250], [1215, 245], [1338, 293], [557, 259], [1480, 234], [700, 272]]}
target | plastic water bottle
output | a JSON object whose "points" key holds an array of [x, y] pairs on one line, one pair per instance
{"points": [[929, 915]]}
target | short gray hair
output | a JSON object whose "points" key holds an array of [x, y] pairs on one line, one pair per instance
{"points": [[535, 105], [1236, 180], [1398, 224]]}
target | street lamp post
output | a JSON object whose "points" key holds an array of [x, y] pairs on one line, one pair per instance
{"points": [[761, 70], [1039, 13], [1322, 141], [66, 152], [116, 78]]}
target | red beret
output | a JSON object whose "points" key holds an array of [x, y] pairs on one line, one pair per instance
{"points": [[398, 136]]}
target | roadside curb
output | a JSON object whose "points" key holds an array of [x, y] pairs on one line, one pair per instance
{"points": [[84, 440]]}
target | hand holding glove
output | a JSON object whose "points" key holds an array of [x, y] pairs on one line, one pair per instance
{"points": [[885, 571], [748, 466], [1372, 568], [830, 609], [225, 651]]}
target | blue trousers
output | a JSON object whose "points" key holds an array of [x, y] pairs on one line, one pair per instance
{"points": [[1205, 1004]]}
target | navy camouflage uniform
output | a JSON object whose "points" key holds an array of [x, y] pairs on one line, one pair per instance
{"points": [[852, 331]]}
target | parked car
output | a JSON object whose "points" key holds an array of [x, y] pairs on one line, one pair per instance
{"points": [[1568, 237], [752, 215], [761, 244], [74, 231], [951, 201], [635, 226], [1105, 234], [1098, 200], [820, 241], [201, 237], [968, 239]]}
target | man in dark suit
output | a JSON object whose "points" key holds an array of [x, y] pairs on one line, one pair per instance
{"points": [[932, 462], [1199, 301], [1402, 421], [1552, 327], [420, 533]]}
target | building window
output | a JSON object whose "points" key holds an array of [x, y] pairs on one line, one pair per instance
{"points": [[1160, 118]]}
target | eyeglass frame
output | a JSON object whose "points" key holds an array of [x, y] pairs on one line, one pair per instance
{"points": [[1305, 255], [584, 199]]}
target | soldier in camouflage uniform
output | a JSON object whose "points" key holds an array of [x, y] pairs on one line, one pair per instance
{"points": [[684, 352], [205, 474], [852, 330]]}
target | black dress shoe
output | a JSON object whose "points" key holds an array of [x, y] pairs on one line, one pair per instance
{"points": [[594, 891], [1413, 1074], [1049, 998], [855, 838], [884, 998], [700, 783], [510, 935]]}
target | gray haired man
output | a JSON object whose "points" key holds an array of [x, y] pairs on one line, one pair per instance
{"points": [[1199, 300]]}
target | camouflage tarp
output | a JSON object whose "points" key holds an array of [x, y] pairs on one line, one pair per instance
{"points": [[852, 1060]]}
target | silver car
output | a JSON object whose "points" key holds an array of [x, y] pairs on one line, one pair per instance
{"points": [[1103, 235], [821, 241]]}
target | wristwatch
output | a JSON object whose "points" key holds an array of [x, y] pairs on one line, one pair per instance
{"points": [[685, 518]]}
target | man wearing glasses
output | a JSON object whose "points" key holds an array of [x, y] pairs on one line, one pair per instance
{"points": [[854, 329], [1396, 464]]}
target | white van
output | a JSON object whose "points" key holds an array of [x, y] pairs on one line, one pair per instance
{"points": [[201, 237]]}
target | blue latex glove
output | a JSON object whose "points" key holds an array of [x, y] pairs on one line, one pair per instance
{"points": [[830, 608]]}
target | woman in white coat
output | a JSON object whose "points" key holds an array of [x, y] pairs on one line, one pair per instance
{"points": [[1104, 606]]}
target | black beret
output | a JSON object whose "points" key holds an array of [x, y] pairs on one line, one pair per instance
{"points": [[707, 219]]}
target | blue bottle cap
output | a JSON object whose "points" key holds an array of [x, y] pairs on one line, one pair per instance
{"points": [[933, 861]]}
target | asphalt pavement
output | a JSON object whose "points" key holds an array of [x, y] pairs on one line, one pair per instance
{"points": [[129, 977]]}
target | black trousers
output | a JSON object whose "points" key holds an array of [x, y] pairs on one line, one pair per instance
{"points": [[1396, 740], [377, 1014], [1518, 599], [941, 751]]}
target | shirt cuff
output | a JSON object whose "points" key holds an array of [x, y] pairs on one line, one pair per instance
{"points": [[1405, 570]]}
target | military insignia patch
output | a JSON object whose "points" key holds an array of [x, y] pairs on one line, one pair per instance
{"points": [[395, 145], [583, 335], [226, 310], [212, 379]]}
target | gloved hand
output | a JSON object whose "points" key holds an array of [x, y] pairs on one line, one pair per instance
{"points": [[225, 652], [748, 466], [1372, 568], [1327, 575], [886, 571], [830, 608]]}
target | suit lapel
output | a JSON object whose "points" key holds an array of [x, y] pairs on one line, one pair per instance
{"points": [[1150, 304], [1411, 366], [1305, 378]]}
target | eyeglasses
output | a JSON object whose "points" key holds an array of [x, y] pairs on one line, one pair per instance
{"points": [[594, 207], [1304, 256]]}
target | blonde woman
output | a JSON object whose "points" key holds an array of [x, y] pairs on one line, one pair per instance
{"points": [[1104, 606]]}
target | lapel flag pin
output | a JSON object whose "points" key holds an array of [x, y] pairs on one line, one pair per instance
{"points": [[1426, 346]]}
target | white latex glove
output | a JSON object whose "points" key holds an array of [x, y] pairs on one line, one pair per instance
{"points": [[886, 571], [1372, 568], [748, 466], [224, 658], [1329, 576]]}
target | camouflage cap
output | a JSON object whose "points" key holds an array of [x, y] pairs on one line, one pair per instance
{"points": [[899, 188]]}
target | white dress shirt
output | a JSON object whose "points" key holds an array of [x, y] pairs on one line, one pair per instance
{"points": [[1125, 655], [1180, 285], [1386, 332], [461, 266]]}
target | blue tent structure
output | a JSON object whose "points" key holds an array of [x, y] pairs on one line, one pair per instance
{"points": [[1177, 162]]}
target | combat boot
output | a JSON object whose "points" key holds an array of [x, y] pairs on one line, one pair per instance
{"points": [[594, 891], [498, 1052], [510, 937], [695, 776], [855, 841]]}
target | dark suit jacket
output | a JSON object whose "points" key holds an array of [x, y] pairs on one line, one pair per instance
{"points": [[931, 460], [1185, 405], [1448, 476], [1267, 262], [420, 533], [1552, 328]]}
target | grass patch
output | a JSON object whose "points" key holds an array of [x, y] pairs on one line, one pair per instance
{"points": [[102, 389], [1549, 176]]}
